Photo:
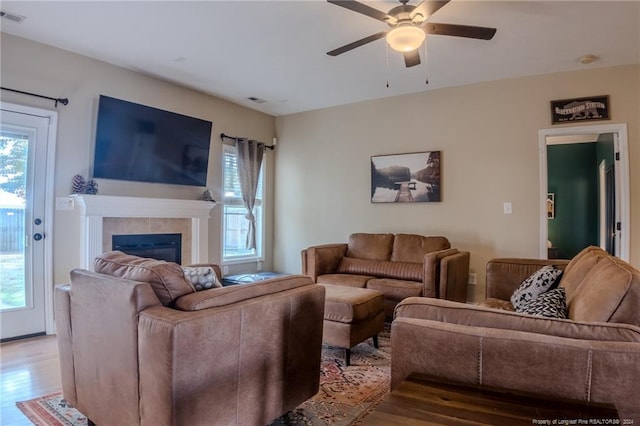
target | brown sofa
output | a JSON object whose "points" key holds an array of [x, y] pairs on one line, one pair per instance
{"points": [[398, 265], [138, 345], [593, 355]]}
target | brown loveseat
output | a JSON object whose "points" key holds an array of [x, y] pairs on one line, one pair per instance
{"points": [[398, 265], [138, 345], [594, 355]]}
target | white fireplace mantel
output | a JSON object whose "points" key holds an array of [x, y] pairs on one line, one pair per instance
{"points": [[93, 208]]}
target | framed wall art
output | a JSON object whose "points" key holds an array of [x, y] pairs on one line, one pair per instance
{"points": [[405, 178]]}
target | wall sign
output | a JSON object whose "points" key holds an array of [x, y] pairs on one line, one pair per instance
{"points": [[580, 109]]}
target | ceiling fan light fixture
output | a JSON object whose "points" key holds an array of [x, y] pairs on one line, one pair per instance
{"points": [[405, 38]]}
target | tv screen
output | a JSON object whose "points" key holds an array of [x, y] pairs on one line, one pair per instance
{"points": [[145, 144]]}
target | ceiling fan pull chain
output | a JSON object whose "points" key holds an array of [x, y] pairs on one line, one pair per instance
{"points": [[426, 61], [387, 64]]}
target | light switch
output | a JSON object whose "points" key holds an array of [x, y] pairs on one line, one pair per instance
{"points": [[507, 207]]}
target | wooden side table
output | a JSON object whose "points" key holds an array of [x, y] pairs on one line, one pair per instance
{"points": [[426, 400]]}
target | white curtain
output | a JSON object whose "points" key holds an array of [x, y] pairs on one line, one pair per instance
{"points": [[250, 155]]}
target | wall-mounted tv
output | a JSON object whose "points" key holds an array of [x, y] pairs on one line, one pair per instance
{"points": [[140, 143]]}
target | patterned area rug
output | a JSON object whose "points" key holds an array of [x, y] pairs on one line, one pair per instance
{"points": [[346, 394]]}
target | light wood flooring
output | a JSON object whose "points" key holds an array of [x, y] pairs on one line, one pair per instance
{"points": [[28, 368]]}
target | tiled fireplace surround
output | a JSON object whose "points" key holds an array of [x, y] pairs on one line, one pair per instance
{"points": [[103, 216]]}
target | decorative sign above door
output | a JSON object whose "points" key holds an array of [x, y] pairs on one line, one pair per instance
{"points": [[580, 109]]}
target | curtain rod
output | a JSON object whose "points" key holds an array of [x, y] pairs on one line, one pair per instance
{"points": [[63, 101], [223, 137]]}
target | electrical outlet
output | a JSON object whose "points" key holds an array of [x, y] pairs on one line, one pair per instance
{"points": [[473, 278], [225, 270], [507, 207], [64, 203]]}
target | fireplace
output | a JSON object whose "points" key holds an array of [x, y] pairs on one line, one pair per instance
{"points": [[102, 216], [157, 246]]}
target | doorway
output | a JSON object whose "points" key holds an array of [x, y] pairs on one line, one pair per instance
{"points": [[584, 190], [27, 153]]}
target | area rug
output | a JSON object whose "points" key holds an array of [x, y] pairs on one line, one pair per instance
{"points": [[346, 394]]}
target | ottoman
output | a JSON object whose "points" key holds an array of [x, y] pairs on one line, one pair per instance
{"points": [[351, 315]]}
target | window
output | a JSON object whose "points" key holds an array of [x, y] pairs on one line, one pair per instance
{"points": [[235, 224]]}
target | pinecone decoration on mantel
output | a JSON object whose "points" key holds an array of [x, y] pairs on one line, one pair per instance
{"points": [[78, 184], [92, 187]]}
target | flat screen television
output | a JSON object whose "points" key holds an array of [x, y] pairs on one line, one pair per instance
{"points": [[140, 143]]}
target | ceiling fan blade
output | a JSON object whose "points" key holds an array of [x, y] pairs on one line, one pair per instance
{"points": [[358, 43], [482, 33], [427, 8], [363, 9], [412, 58]]}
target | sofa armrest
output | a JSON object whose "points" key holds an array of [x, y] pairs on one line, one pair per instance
{"points": [[217, 297], [323, 259], [504, 275], [262, 352], [454, 276], [432, 271], [477, 316], [602, 372], [103, 314], [64, 338], [446, 274]]}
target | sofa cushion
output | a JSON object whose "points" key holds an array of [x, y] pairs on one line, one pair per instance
{"points": [[166, 278], [370, 246], [601, 292], [201, 277], [382, 268], [396, 289], [349, 280], [536, 284], [412, 248], [552, 304]]}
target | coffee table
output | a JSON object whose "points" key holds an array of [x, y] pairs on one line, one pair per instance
{"points": [[425, 400]]}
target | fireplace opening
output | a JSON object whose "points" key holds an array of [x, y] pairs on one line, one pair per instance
{"points": [[156, 246]]}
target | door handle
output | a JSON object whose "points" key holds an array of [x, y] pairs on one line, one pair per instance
{"points": [[38, 236]]}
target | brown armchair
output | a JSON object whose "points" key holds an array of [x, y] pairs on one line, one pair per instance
{"points": [[240, 355]]}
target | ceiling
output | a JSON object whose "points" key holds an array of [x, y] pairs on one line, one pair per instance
{"points": [[276, 50]]}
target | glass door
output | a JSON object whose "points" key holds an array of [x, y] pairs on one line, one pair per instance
{"points": [[23, 157]]}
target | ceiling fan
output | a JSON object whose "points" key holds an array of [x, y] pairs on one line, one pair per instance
{"points": [[409, 27]]}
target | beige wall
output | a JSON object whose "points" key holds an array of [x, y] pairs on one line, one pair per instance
{"points": [[320, 180], [38, 68], [488, 135]]}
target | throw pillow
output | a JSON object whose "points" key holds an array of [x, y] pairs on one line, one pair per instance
{"points": [[202, 277], [537, 283], [552, 304]]}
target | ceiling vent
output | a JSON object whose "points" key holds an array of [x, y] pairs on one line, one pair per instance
{"points": [[257, 100], [12, 16]]}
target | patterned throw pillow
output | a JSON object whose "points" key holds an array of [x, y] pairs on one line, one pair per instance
{"points": [[540, 281], [552, 304], [202, 277]]}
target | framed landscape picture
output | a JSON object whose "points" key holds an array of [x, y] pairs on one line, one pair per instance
{"points": [[405, 178]]}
